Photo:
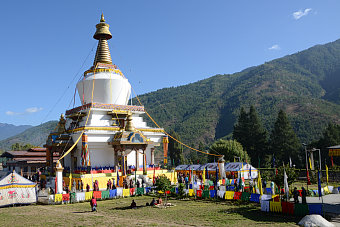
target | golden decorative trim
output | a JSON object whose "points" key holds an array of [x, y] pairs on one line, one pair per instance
{"points": [[113, 129], [117, 71]]}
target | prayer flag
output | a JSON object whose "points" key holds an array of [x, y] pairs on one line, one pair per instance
{"points": [[308, 179], [273, 160], [216, 175], [259, 183], [285, 182], [175, 177], [117, 177], [259, 163], [310, 163], [70, 183], [319, 184], [192, 176], [290, 162], [203, 176], [250, 173], [154, 175], [327, 174], [207, 172]]}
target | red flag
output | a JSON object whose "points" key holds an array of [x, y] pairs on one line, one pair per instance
{"points": [[308, 179], [332, 161], [55, 184], [276, 171]]}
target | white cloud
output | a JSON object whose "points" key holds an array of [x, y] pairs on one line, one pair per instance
{"points": [[298, 14], [33, 109], [30, 110], [274, 47]]}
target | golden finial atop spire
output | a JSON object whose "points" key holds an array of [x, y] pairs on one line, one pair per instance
{"points": [[102, 34], [102, 18]]}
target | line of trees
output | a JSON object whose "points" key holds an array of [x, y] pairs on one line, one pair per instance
{"points": [[251, 142], [281, 146]]}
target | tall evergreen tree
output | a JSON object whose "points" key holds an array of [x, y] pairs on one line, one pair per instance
{"points": [[240, 132], [175, 150], [257, 139], [250, 133], [283, 141], [330, 137]]}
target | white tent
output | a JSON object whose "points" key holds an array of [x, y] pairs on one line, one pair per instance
{"points": [[243, 169], [15, 189]]}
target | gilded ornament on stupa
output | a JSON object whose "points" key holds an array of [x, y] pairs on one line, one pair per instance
{"points": [[102, 35]]}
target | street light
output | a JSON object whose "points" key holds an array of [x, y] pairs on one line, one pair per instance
{"points": [[314, 149], [305, 145]]}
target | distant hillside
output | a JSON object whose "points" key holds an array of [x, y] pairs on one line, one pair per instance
{"points": [[35, 135], [8, 130], [306, 85]]}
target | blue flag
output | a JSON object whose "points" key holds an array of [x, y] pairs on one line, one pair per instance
{"points": [[117, 177], [206, 170], [319, 184], [273, 160], [250, 173]]}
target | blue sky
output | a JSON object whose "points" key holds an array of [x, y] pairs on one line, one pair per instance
{"points": [[156, 44]]}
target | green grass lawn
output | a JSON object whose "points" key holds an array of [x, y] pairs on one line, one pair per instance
{"points": [[116, 213]]}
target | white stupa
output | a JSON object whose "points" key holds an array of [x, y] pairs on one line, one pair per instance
{"points": [[115, 135]]}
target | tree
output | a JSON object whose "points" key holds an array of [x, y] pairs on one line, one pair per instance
{"points": [[21, 147], [257, 137], [330, 137], [203, 158], [279, 177], [230, 149], [240, 132], [163, 184], [250, 133], [284, 143], [175, 150]]}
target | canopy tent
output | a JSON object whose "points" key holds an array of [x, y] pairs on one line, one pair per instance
{"points": [[243, 169], [181, 167], [193, 167], [15, 189]]}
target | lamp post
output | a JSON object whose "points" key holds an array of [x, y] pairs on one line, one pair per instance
{"points": [[305, 146], [314, 149]]}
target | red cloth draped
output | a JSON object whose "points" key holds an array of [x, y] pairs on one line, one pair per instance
{"points": [[66, 197], [97, 194]]}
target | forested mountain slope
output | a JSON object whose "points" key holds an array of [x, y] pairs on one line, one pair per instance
{"points": [[306, 85], [35, 135], [8, 130]]}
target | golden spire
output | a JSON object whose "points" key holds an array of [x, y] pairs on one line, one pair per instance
{"points": [[102, 35]]}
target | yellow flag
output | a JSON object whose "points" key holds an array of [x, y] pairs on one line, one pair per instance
{"points": [[203, 176], [70, 184], [310, 163], [327, 174], [175, 177], [259, 183]]}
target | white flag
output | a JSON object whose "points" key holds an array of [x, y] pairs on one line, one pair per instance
{"points": [[290, 162], [285, 182]]}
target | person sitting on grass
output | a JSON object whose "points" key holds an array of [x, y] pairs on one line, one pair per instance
{"points": [[133, 204], [159, 201], [153, 202], [93, 203]]}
